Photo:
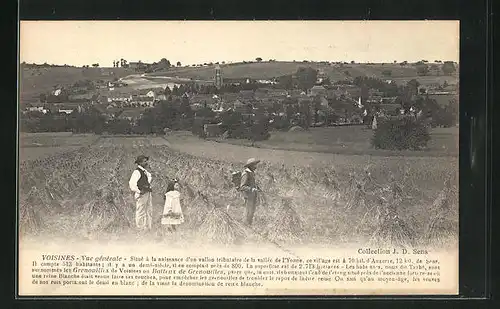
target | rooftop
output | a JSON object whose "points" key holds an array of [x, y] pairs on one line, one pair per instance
{"points": [[318, 87]]}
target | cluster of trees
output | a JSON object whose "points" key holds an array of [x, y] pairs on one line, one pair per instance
{"points": [[422, 68], [82, 86], [163, 64], [89, 122], [52, 98], [26, 65], [120, 63], [178, 115], [234, 124], [387, 73], [193, 88], [441, 116], [400, 134], [174, 114], [388, 90], [448, 68], [304, 79]]}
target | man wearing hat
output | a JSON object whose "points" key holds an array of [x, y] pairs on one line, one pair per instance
{"points": [[249, 189], [140, 184]]}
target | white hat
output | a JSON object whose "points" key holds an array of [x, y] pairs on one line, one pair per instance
{"points": [[252, 161]]}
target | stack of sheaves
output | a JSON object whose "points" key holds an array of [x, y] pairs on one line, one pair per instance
{"points": [[444, 223], [30, 222], [287, 226], [197, 210], [394, 231], [220, 228]]}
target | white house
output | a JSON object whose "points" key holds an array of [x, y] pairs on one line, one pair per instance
{"points": [[266, 81], [161, 97], [40, 109], [317, 90], [119, 97], [144, 101]]}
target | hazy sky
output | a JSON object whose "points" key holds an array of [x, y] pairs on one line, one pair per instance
{"points": [[193, 42]]}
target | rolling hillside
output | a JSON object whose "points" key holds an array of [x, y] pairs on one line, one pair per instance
{"points": [[265, 70], [41, 80]]}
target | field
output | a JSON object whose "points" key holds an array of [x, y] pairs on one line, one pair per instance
{"points": [[351, 140], [33, 146], [308, 198], [266, 70], [426, 80]]}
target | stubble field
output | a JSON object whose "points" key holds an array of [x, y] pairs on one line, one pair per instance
{"points": [[308, 198]]}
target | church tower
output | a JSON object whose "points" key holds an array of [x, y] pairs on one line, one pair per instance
{"points": [[218, 77]]}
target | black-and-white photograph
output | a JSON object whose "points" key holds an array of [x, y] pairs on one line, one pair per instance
{"points": [[298, 138]]}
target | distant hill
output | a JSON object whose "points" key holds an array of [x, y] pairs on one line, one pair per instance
{"points": [[43, 79], [265, 70]]}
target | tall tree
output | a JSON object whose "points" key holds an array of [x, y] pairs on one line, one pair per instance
{"points": [[448, 68], [306, 77], [165, 63], [317, 106], [285, 81], [422, 69]]}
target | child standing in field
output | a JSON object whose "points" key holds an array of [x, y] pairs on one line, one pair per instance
{"points": [[172, 211]]}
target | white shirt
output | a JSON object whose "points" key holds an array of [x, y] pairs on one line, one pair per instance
{"points": [[136, 175], [172, 202]]}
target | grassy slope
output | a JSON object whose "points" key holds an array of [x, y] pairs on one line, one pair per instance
{"points": [[250, 70], [274, 69], [238, 154], [36, 81], [352, 141]]}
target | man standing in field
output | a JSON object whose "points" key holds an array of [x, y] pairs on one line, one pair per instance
{"points": [[140, 184], [249, 189]]}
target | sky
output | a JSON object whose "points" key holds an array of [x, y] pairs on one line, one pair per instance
{"points": [[193, 42]]}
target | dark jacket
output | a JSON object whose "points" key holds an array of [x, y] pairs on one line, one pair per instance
{"points": [[247, 181], [143, 183]]}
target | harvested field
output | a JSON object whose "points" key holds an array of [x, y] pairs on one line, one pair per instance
{"points": [[84, 193]]}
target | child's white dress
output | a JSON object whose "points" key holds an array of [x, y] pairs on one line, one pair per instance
{"points": [[172, 211]]}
